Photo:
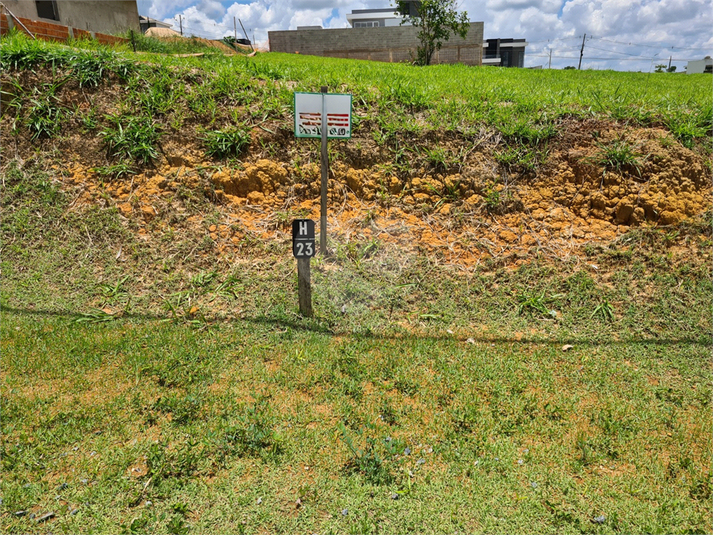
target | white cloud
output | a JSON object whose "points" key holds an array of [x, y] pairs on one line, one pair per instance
{"points": [[556, 25], [547, 24], [212, 9]]}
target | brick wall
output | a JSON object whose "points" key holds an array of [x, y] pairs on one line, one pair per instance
{"points": [[390, 44], [54, 32], [3, 24]]}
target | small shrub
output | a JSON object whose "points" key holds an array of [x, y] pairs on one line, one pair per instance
{"points": [[203, 279], [604, 311], [44, 118], [228, 142], [132, 137]]}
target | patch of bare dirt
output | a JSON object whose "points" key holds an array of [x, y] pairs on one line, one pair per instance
{"points": [[571, 202]]}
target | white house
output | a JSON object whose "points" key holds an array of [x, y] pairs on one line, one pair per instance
{"points": [[700, 66], [379, 18]]}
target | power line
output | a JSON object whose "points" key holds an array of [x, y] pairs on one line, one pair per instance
{"points": [[555, 39], [201, 32], [198, 33], [641, 58], [660, 45], [623, 53]]}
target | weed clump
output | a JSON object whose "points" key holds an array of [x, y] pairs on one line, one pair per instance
{"points": [[619, 156], [134, 138], [227, 142], [253, 434], [367, 461]]}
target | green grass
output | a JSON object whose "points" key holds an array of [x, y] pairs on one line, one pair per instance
{"points": [[188, 45], [525, 106], [437, 401], [238, 423], [618, 155], [227, 142], [133, 138], [158, 385]]}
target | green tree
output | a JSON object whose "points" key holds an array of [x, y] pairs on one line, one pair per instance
{"points": [[436, 21]]}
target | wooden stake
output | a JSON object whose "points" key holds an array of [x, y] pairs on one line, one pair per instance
{"points": [[304, 286]]}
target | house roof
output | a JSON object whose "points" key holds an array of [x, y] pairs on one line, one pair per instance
{"points": [[156, 23]]}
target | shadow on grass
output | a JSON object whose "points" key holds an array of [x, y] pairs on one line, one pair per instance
{"points": [[314, 326]]}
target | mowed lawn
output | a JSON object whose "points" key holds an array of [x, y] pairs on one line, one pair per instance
{"points": [[267, 426]]}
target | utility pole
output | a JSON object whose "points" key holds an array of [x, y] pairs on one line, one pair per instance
{"points": [[246, 34], [549, 66], [180, 23], [669, 63], [235, 29], [581, 53]]}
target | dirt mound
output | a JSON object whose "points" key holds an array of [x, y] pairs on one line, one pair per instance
{"points": [[162, 32], [667, 185]]}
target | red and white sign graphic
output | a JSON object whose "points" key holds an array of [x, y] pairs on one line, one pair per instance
{"points": [[308, 115]]}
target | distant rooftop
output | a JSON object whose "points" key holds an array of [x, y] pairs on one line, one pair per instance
{"points": [[148, 22], [386, 10]]}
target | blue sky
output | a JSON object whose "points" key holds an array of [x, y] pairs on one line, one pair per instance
{"points": [[620, 34]]}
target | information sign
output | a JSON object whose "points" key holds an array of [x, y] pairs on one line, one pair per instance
{"points": [[308, 115]]}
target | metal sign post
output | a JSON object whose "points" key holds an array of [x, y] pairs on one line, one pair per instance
{"points": [[323, 115], [325, 177], [303, 250]]}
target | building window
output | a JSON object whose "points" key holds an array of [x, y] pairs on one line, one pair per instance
{"points": [[47, 9], [367, 24]]}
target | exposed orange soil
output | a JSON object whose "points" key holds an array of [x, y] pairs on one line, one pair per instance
{"points": [[571, 201]]}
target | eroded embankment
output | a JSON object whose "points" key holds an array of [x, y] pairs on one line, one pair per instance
{"points": [[465, 212], [455, 194]]}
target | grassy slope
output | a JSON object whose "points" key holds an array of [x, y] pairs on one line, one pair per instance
{"points": [[518, 102], [241, 400]]}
